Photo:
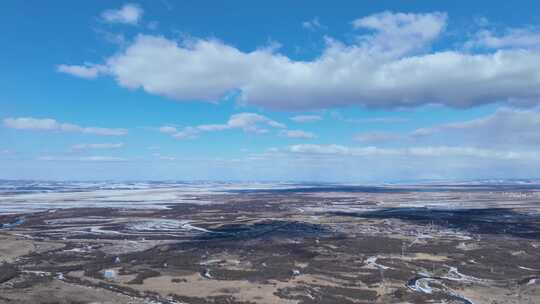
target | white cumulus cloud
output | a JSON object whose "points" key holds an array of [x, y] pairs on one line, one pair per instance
{"points": [[401, 33], [389, 65]]}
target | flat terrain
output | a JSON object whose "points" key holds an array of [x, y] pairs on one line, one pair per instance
{"points": [[280, 243]]}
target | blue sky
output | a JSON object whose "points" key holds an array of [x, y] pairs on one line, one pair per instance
{"points": [[362, 91]]}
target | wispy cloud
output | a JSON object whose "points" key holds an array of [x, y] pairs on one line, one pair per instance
{"points": [[128, 14], [427, 151], [88, 71], [373, 120], [381, 120], [164, 157], [248, 122], [378, 137], [84, 158], [97, 146], [313, 24], [298, 134], [306, 118], [49, 124], [505, 128], [168, 130], [524, 38]]}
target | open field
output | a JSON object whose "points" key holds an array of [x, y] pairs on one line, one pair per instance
{"points": [[284, 243]]}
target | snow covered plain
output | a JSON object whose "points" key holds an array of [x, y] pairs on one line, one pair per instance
{"points": [[269, 243], [17, 197]]}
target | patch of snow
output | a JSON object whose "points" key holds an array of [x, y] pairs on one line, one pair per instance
{"points": [[163, 225], [372, 261], [207, 274], [527, 268]]}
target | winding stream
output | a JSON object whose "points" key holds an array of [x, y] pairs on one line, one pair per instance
{"points": [[427, 284]]}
